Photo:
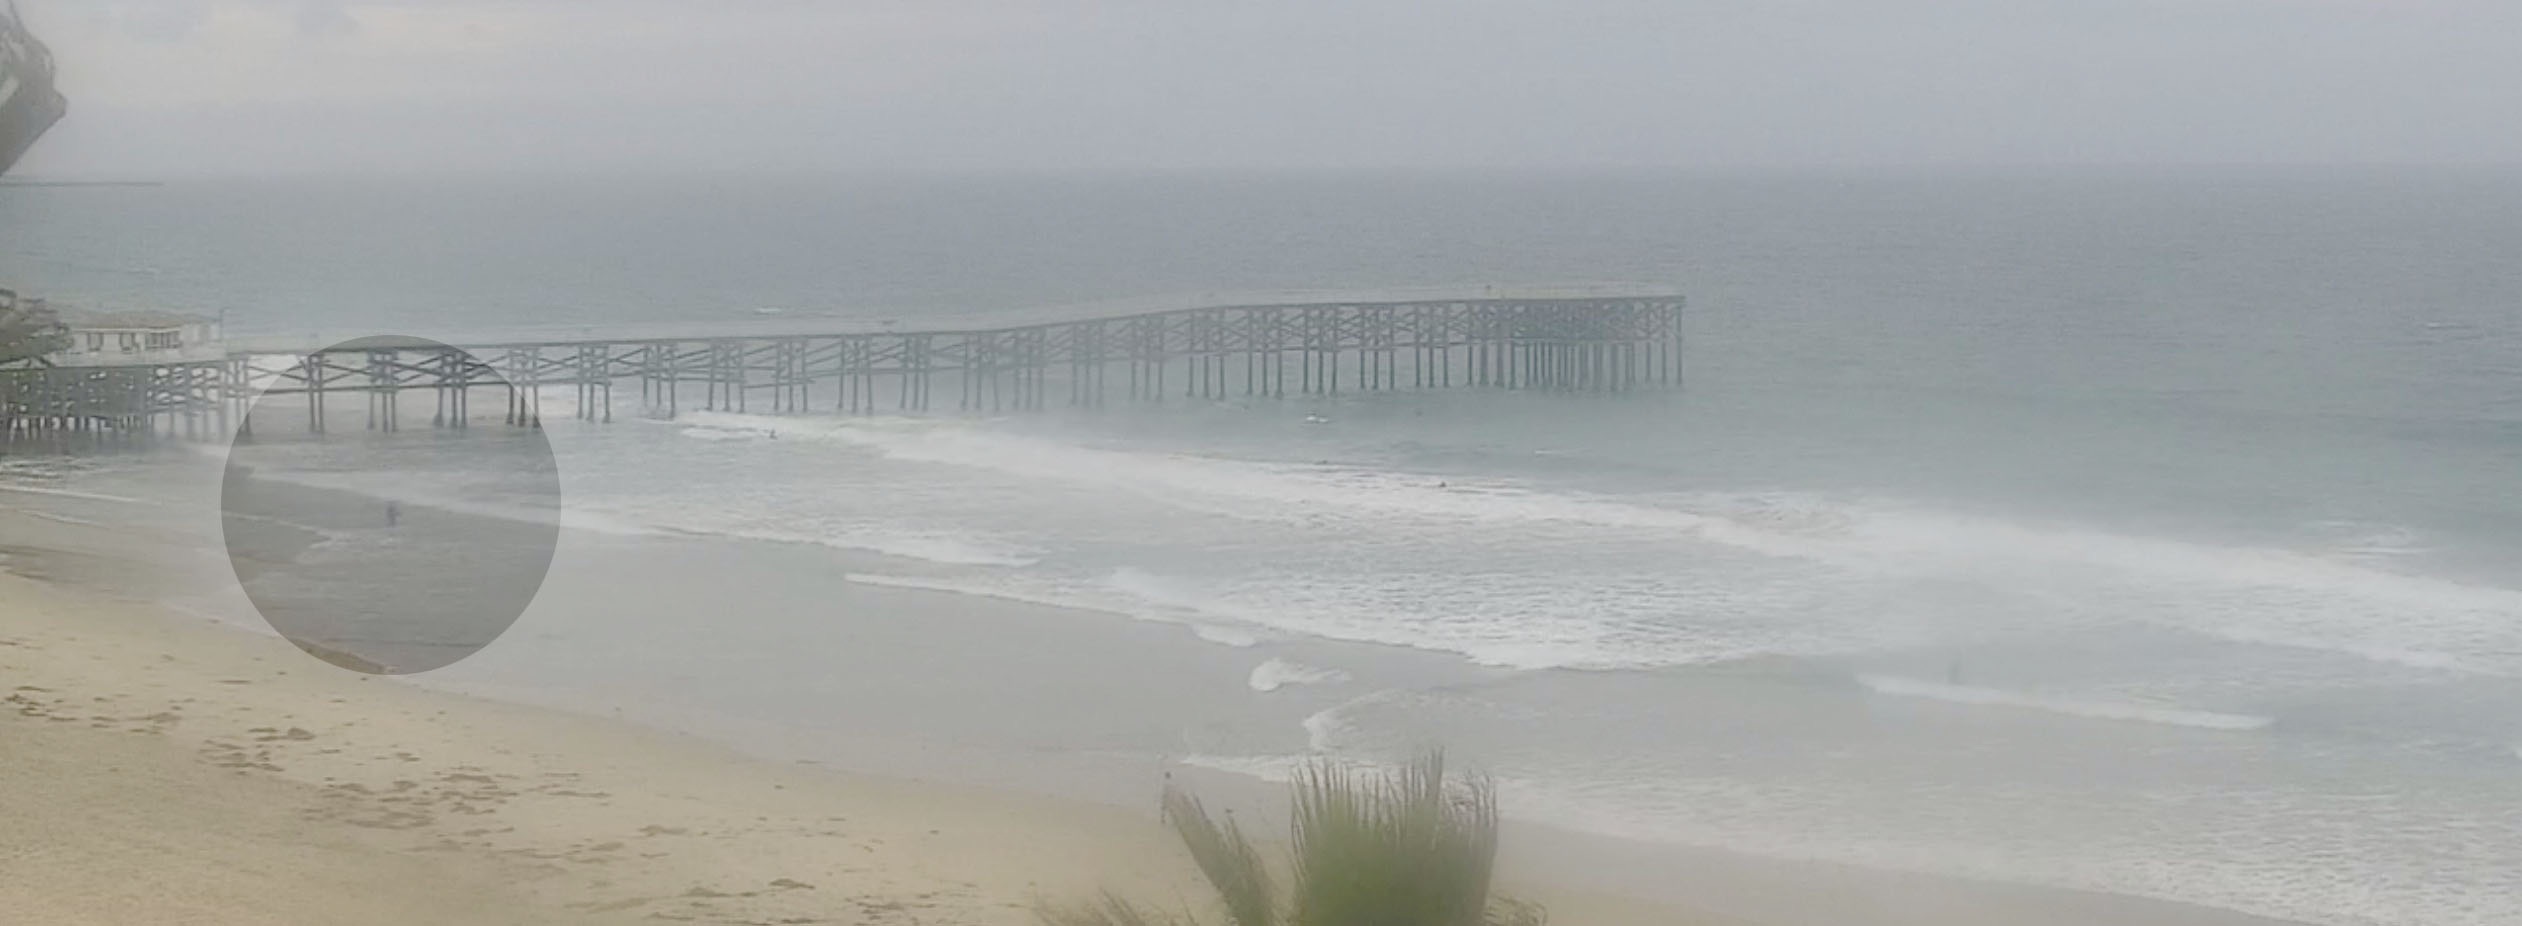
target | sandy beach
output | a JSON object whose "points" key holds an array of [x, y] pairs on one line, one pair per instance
{"points": [[184, 772], [165, 767]]}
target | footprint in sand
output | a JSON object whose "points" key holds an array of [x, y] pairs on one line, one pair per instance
{"points": [[615, 906]]}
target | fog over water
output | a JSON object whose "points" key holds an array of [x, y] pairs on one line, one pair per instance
{"points": [[2147, 531], [188, 87], [2097, 467]]}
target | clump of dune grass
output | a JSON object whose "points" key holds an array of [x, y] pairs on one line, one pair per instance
{"points": [[1407, 848]]}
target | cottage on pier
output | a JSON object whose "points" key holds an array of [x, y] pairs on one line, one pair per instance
{"points": [[99, 339]]}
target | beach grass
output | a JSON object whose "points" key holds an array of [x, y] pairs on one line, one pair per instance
{"points": [[1408, 847]]}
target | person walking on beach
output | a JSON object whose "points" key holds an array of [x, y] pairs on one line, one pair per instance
{"points": [[393, 513]]}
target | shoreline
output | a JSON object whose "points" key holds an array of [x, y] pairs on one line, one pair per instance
{"points": [[693, 785], [131, 726]]}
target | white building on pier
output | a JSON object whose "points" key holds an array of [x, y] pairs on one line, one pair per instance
{"points": [[102, 339]]}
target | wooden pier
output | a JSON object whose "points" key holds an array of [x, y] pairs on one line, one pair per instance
{"points": [[1591, 343], [189, 399]]}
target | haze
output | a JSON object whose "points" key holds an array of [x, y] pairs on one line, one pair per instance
{"points": [[180, 87]]}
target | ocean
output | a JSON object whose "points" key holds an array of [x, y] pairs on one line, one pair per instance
{"points": [[2153, 532]]}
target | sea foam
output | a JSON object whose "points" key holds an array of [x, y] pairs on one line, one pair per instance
{"points": [[2100, 710], [1279, 673]]}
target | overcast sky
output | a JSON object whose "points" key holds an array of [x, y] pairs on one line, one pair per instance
{"points": [[167, 87]]}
